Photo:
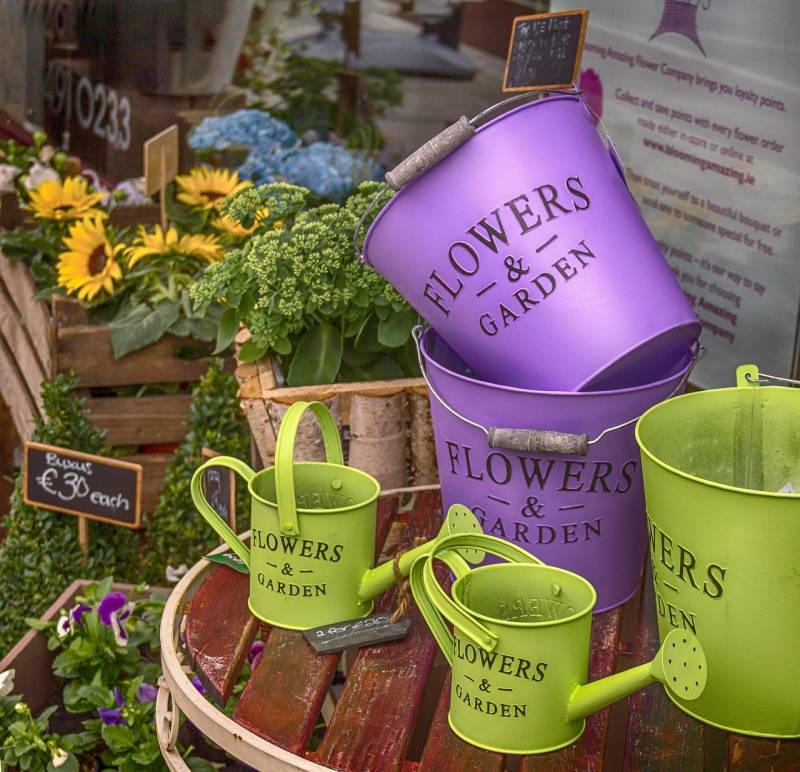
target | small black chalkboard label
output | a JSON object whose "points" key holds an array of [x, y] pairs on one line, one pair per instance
{"points": [[219, 487], [545, 50], [95, 487], [356, 632]]}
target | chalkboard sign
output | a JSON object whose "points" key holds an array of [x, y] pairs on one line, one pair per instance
{"points": [[95, 487], [356, 632], [545, 51], [219, 488]]}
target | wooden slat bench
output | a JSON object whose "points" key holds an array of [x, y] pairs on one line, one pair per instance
{"points": [[391, 713]]}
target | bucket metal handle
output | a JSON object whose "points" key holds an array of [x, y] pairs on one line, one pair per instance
{"points": [[750, 375], [539, 441], [455, 135]]}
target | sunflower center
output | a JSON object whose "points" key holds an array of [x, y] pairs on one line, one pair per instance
{"points": [[213, 195], [62, 208], [97, 260]]}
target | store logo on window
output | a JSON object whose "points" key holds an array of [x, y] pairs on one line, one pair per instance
{"points": [[680, 17]]}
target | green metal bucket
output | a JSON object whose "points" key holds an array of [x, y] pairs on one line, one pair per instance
{"points": [[725, 544], [312, 538], [519, 649]]}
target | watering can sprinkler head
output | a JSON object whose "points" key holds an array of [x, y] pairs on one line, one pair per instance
{"points": [[459, 520], [679, 665]]}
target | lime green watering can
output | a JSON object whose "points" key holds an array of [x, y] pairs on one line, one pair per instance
{"points": [[721, 475], [519, 649], [312, 538]]}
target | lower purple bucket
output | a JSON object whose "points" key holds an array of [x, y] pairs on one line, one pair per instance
{"points": [[584, 513]]}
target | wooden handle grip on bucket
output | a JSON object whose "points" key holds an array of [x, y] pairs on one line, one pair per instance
{"points": [[535, 441], [430, 153]]}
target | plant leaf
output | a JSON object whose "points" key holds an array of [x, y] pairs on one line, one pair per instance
{"points": [[317, 358], [250, 351], [382, 369], [367, 338], [395, 330], [226, 332], [118, 737], [141, 327]]}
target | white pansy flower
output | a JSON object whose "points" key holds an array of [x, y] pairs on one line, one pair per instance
{"points": [[7, 174], [174, 574], [7, 682], [64, 626], [120, 633], [60, 756], [39, 173]]}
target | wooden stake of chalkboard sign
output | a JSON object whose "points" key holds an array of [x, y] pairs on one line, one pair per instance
{"points": [[88, 486], [544, 51], [219, 488]]}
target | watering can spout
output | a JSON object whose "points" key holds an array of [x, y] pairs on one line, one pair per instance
{"points": [[459, 520], [680, 665]]}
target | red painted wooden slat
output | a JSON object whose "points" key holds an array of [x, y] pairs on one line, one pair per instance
{"points": [[753, 753], [445, 750], [282, 700], [375, 716], [587, 754], [660, 737], [217, 651]]}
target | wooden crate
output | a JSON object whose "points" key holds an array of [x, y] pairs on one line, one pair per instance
{"points": [[38, 341], [388, 422]]}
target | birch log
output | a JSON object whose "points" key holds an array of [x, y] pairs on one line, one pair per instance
{"points": [[423, 449], [378, 438]]}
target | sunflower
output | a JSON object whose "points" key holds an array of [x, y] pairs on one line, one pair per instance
{"points": [[67, 200], [205, 188], [91, 264], [160, 243], [233, 228]]}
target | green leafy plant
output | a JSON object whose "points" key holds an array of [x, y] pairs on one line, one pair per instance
{"points": [[175, 531], [30, 746], [108, 647], [41, 553], [305, 296]]}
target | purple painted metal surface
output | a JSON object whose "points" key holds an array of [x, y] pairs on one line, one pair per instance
{"points": [[585, 514], [525, 250]]}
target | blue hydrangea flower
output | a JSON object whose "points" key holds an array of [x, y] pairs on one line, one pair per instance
{"points": [[256, 128]]}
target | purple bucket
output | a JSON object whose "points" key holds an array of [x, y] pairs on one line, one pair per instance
{"points": [[525, 250], [583, 510]]}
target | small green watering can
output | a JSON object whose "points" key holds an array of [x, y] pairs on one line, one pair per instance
{"points": [[312, 537], [519, 649]]}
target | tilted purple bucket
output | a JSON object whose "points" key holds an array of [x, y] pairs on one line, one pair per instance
{"points": [[570, 489], [521, 245]]}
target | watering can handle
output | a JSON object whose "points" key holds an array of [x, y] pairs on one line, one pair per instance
{"points": [[284, 458], [225, 532], [435, 604]]}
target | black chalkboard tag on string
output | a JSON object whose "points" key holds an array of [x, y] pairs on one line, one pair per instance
{"points": [[219, 488], [365, 631], [544, 51]]}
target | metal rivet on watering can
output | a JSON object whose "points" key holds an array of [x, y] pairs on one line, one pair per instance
{"points": [[717, 469], [555, 589], [456, 242], [336, 484]]}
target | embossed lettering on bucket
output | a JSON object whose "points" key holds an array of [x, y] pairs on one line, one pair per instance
{"points": [[583, 511], [719, 467], [525, 250], [312, 538], [519, 649]]}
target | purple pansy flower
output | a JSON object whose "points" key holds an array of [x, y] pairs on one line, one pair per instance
{"points": [[255, 653], [111, 716], [108, 607], [77, 612], [146, 692], [198, 685]]}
